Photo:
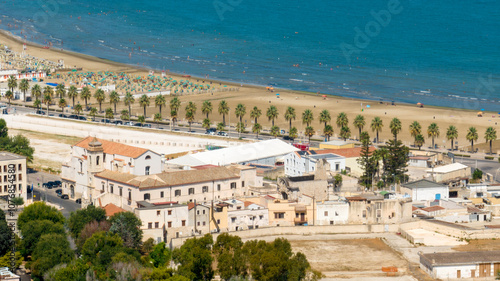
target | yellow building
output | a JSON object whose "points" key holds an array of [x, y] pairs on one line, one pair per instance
{"points": [[336, 144], [287, 212]]}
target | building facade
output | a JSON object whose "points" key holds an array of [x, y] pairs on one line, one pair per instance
{"points": [[303, 162], [12, 175], [425, 190]]}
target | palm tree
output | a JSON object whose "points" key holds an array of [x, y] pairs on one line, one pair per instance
{"points": [[451, 134], [309, 132], [256, 129], [275, 131], [206, 123], [206, 108], [93, 112], [472, 136], [61, 90], [359, 122], [307, 117], [141, 120], [160, 101], [175, 104], [100, 97], [345, 133], [240, 111], [124, 115], [190, 113], [377, 125], [24, 87], [432, 132], [419, 141], [223, 109], [48, 91], [157, 118], [173, 117], [415, 130], [129, 100], [12, 83], [47, 99], [109, 113], [324, 117], [294, 133], [255, 114], [395, 127], [85, 95], [114, 98], [78, 109], [72, 93], [272, 113], [37, 104], [62, 104], [9, 95], [289, 116], [220, 126], [36, 91], [144, 102], [490, 135], [328, 131], [342, 120]]}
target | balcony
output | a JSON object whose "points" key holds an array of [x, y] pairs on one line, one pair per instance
{"points": [[300, 219]]}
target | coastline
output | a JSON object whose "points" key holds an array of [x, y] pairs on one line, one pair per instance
{"points": [[254, 95]]}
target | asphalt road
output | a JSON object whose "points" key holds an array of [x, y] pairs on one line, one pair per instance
{"points": [[487, 166]]}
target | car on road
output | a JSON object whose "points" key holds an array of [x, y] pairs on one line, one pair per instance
{"points": [[224, 134], [118, 122], [64, 196], [62, 115], [73, 116], [58, 183], [146, 125], [90, 119], [48, 185], [82, 118], [106, 121], [78, 201], [211, 131], [41, 112], [59, 192], [138, 124], [128, 123], [287, 138]]}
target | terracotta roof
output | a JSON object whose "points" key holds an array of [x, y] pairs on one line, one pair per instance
{"points": [[203, 167], [346, 152], [110, 147], [165, 179], [433, 209], [248, 203], [112, 209], [413, 208]]}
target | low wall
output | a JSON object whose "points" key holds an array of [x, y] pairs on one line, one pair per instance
{"points": [[449, 230]]}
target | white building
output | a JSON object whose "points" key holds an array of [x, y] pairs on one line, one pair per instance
{"points": [[449, 172], [332, 212], [458, 265], [425, 190], [91, 156], [299, 163], [6, 73], [264, 152], [246, 215]]}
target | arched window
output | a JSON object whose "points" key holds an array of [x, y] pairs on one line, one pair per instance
{"points": [[81, 167], [147, 196], [147, 170], [148, 157], [97, 160]]}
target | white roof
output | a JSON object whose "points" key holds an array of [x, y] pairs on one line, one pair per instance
{"points": [[447, 168], [237, 154]]}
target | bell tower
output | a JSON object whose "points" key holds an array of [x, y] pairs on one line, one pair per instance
{"points": [[95, 157]]}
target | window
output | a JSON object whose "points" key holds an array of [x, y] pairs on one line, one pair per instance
{"points": [[169, 212], [203, 211], [158, 213], [379, 213], [242, 183], [102, 186], [233, 185], [326, 213], [20, 167], [121, 190], [198, 223], [191, 191], [20, 177], [157, 224], [336, 214], [183, 222], [147, 196], [150, 225], [218, 221], [129, 194], [204, 189], [162, 194], [218, 187], [178, 192], [5, 168], [148, 157], [279, 215], [261, 217], [331, 222], [198, 212], [97, 160], [204, 223], [4, 178], [81, 167], [169, 224], [364, 213], [233, 219], [5, 188], [147, 170]]}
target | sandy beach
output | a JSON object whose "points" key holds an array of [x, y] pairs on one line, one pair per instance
{"points": [[251, 96]]}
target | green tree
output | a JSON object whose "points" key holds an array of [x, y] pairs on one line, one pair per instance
{"points": [[256, 129], [37, 104], [24, 86], [72, 94], [89, 229], [127, 225], [128, 100], [345, 133], [157, 118], [141, 119], [359, 122], [206, 108], [342, 120], [307, 117], [325, 117], [272, 113], [432, 132], [294, 133], [108, 113], [114, 98], [4, 130], [124, 115], [101, 247], [490, 135], [78, 109], [173, 117], [220, 126], [451, 134], [6, 260], [309, 132], [275, 131], [36, 91], [366, 161], [395, 126], [62, 104], [477, 175], [160, 102], [175, 104], [240, 111], [78, 219], [100, 97], [472, 136], [75, 270], [223, 110], [9, 95], [240, 128], [206, 123], [160, 255], [328, 131], [231, 260], [33, 230], [289, 116], [47, 99], [255, 114], [144, 102], [415, 130], [396, 161], [60, 90], [85, 95], [39, 211], [12, 82], [52, 249], [5, 234], [195, 258], [419, 141], [19, 145], [190, 113], [93, 112]]}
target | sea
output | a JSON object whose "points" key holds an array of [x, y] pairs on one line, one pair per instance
{"points": [[443, 53]]}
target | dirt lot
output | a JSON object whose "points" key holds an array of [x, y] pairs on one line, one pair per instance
{"points": [[354, 255], [480, 245]]}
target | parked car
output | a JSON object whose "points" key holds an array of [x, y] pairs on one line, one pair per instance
{"points": [[146, 125], [59, 192], [224, 134], [118, 122], [82, 118], [78, 201], [41, 112], [73, 116], [90, 119], [128, 123], [58, 183], [62, 115], [287, 138], [106, 121], [210, 132], [64, 196], [138, 124]]}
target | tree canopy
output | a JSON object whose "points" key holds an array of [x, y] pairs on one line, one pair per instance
{"points": [[39, 211], [78, 220]]}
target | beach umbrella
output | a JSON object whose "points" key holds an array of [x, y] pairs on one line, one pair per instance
{"points": [[482, 109], [367, 106], [324, 96]]}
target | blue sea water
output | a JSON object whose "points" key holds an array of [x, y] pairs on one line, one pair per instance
{"points": [[435, 52]]}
